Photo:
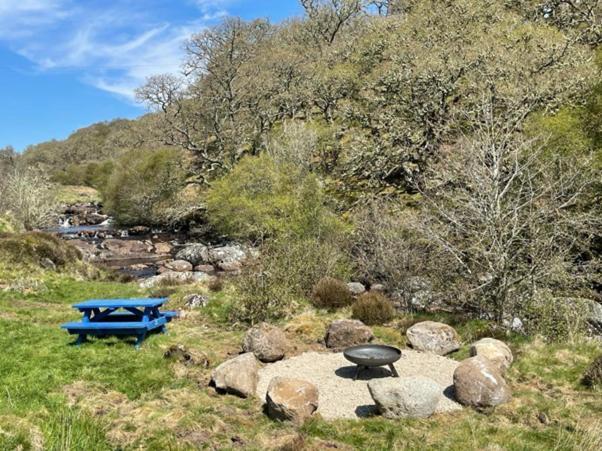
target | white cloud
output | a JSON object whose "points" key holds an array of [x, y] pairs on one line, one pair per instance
{"points": [[114, 49]]}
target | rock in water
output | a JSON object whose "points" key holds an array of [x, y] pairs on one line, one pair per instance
{"points": [[237, 376], [267, 342], [343, 333], [495, 350], [433, 337], [291, 399], [478, 383], [407, 397]]}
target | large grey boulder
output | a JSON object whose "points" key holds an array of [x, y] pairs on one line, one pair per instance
{"points": [[343, 333], [267, 342], [237, 376], [478, 383], [356, 288], [407, 397], [495, 350], [433, 337], [291, 399], [194, 254]]}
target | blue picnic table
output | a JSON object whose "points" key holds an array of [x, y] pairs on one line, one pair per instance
{"points": [[136, 317]]}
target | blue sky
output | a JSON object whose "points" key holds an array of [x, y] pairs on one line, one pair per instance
{"points": [[65, 64]]}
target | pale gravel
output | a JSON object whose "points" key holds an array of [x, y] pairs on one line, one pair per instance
{"points": [[342, 397]]}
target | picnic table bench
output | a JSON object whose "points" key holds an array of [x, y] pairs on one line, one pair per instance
{"points": [[134, 317]]}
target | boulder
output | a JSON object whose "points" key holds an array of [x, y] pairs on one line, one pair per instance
{"points": [[139, 230], [291, 399], [226, 254], [175, 278], [179, 266], [196, 300], [378, 287], [194, 253], [419, 293], [594, 315], [267, 342], [356, 288], [232, 267], [125, 247], [163, 248], [433, 337], [343, 333], [478, 383], [407, 397], [237, 376], [208, 269], [495, 350]]}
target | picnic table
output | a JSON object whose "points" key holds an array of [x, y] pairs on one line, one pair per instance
{"points": [[136, 317]]}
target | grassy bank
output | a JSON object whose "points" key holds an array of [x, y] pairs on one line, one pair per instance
{"points": [[107, 395]]}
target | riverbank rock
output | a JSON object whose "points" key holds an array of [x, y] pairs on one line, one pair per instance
{"points": [[179, 266], [407, 397], [478, 383], [237, 376], [126, 247], [291, 399], [433, 337], [343, 333], [267, 342], [495, 350], [163, 248], [195, 254], [196, 301]]}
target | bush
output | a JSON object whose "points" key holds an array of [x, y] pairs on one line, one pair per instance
{"points": [[331, 293], [593, 374], [34, 247], [144, 187], [556, 319], [261, 198], [279, 281], [373, 308]]}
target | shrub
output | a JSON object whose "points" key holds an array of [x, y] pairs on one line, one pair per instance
{"points": [[28, 197], [261, 198], [34, 247], [144, 187], [593, 374], [331, 293], [216, 284], [373, 308], [283, 275], [556, 319]]}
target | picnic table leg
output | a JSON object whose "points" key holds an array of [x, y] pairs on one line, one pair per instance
{"points": [[140, 339], [81, 338]]}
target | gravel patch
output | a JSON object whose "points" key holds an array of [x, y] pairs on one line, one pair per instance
{"points": [[341, 396]]}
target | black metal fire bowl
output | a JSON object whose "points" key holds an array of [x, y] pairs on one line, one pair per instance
{"points": [[369, 356]]}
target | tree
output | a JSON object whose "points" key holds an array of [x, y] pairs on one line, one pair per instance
{"points": [[513, 220], [27, 196], [327, 18]]}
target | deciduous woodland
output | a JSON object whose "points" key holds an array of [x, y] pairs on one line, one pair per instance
{"points": [[444, 155]]}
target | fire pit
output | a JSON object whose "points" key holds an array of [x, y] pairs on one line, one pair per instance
{"points": [[369, 356]]}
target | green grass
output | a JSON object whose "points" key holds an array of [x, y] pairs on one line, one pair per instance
{"points": [[106, 395]]}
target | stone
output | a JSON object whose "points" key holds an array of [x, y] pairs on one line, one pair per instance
{"points": [[232, 267], [495, 350], [406, 397], [208, 269], [46, 263], [433, 337], [179, 266], [343, 333], [356, 288], [139, 230], [419, 293], [291, 399], [226, 254], [237, 376], [267, 342], [175, 278], [196, 300], [594, 315], [187, 356], [125, 247], [194, 253], [163, 248], [378, 287], [478, 383]]}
